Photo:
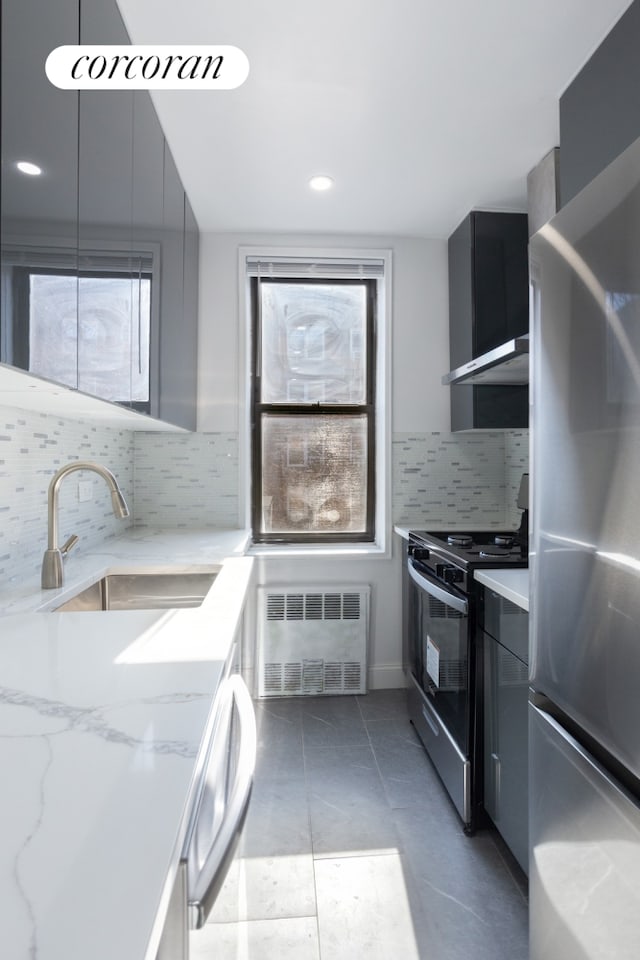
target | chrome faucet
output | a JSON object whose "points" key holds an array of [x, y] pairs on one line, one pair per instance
{"points": [[52, 569]]}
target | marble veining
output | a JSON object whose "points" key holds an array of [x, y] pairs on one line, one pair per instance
{"points": [[89, 719], [22, 887]]}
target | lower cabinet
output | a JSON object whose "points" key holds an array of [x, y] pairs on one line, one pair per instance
{"points": [[505, 647]]}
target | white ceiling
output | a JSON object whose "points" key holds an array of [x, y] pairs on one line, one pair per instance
{"points": [[420, 109]]}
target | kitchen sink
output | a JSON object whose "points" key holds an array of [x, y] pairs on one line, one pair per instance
{"points": [[142, 591]]}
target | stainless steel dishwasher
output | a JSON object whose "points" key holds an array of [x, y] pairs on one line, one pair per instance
{"points": [[217, 817]]}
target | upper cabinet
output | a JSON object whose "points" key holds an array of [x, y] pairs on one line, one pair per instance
{"points": [[96, 252], [109, 301], [488, 306], [600, 109], [179, 342], [147, 247], [39, 125]]}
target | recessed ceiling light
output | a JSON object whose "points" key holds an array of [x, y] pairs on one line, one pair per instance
{"points": [[321, 183], [29, 168]]}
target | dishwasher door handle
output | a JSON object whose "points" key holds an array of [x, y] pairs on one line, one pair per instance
{"points": [[224, 801]]}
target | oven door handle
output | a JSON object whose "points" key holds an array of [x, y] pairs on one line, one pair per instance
{"points": [[449, 599]]}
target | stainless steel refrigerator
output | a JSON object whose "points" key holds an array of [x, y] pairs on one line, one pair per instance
{"points": [[584, 750]]}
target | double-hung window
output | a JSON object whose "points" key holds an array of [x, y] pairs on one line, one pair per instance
{"points": [[313, 403]]}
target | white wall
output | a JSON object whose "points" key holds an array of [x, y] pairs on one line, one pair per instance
{"points": [[420, 355]]}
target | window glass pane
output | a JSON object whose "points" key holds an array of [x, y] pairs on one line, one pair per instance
{"points": [[113, 337], [313, 343], [107, 353], [314, 474], [53, 317]]}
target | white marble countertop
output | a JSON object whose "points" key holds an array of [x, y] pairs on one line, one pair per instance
{"points": [[103, 717], [511, 584]]}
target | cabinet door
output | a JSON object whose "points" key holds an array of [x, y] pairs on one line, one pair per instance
{"points": [[500, 279], [147, 216], [460, 253], [38, 314], [506, 746], [107, 287], [600, 109], [172, 343], [189, 359], [488, 305]]}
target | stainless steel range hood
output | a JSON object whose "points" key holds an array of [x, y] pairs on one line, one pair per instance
{"points": [[508, 363]]}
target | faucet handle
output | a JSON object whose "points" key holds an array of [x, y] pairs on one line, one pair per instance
{"points": [[68, 544]]}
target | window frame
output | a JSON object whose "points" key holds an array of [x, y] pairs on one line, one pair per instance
{"points": [[258, 409]]}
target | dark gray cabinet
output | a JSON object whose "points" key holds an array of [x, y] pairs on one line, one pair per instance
{"points": [[600, 109], [488, 305], [146, 243], [39, 228], [107, 291], [505, 640], [172, 318], [100, 254], [189, 342]]}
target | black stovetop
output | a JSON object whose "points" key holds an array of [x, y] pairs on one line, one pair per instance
{"points": [[475, 548]]}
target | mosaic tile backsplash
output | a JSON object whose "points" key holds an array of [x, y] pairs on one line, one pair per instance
{"points": [[516, 462], [448, 478], [32, 447], [188, 481], [191, 481]]}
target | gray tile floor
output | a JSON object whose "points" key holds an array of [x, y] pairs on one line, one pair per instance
{"points": [[352, 848]]}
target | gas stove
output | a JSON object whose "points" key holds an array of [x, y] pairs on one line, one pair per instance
{"points": [[452, 555]]}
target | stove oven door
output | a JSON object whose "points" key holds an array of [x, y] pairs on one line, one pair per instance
{"points": [[440, 693]]}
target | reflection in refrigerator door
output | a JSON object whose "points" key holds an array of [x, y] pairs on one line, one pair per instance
{"points": [[585, 568]]}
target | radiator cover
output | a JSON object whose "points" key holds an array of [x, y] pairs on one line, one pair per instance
{"points": [[312, 640]]}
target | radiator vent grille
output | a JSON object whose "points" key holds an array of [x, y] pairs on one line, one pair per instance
{"points": [[312, 641], [313, 606]]}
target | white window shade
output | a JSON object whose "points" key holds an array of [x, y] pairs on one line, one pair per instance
{"points": [[321, 268], [70, 258]]}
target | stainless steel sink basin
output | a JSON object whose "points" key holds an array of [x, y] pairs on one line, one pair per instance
{"points": [[142, 591]]}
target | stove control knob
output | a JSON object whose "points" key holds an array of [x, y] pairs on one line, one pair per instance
{"points": [[451, 575], [419, 553]]}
